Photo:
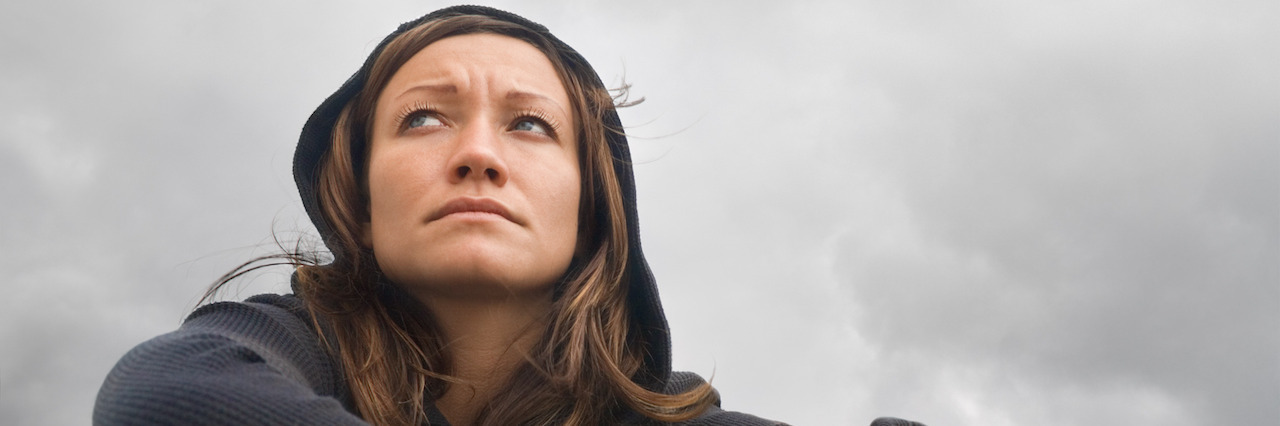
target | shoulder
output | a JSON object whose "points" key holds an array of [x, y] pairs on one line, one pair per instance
{"points": [[256, 362], [681, 381], [277, 328]]}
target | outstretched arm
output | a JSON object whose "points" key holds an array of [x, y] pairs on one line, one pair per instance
{"points": [[229, 363]]}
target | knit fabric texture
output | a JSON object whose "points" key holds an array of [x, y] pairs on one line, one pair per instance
{"points": [[260, 362], [251, 363]]}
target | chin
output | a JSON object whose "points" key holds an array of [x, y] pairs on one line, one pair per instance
{"points": [[475, 273]]}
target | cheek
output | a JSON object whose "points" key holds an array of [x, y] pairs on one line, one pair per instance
{"points": [[382, 192], [569, 209], [394, 184], [561, 198]]}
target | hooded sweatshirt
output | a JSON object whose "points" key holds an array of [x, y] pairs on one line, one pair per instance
{"points": [[261, 361]]}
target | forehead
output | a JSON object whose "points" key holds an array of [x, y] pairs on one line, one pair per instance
{"points": [[480, 62]]}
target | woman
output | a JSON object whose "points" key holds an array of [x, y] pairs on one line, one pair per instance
{"points": [[473, 184]]}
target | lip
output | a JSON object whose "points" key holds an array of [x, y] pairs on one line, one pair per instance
{"points": [[472, 205]]}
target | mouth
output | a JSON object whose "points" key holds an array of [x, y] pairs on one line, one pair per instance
{"points": [[472, 206]]}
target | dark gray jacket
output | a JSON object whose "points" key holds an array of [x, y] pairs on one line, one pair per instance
{"points": [[259, 363]]}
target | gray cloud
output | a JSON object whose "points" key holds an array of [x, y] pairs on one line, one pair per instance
{"points": [[989, 213]]}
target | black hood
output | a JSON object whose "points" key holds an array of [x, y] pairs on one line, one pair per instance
{"points": [[646, 310]]}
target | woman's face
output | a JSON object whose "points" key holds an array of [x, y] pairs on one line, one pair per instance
{"points": [[473, 171]]}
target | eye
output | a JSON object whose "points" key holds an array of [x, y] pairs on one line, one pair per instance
{"points": [[416, 115], [530, 124], [423, 120]]}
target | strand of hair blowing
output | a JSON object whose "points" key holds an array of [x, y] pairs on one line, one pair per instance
{"points": [[388, 361]]}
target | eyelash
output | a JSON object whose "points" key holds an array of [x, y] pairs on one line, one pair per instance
{"points": [[553, 127], [417, 107], [410, 111]]}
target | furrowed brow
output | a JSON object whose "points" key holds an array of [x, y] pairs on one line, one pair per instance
{"points": [[447, 89]]}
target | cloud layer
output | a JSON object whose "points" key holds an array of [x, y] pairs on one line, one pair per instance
{"points": [[994, 213]]}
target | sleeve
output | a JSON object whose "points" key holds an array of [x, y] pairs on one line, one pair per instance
{"points": [[229, 363]]}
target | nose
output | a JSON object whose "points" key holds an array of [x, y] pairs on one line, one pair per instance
{"points": [[478, 156]]}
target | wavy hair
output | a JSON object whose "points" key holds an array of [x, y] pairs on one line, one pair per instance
{"points": [[583, 370]]}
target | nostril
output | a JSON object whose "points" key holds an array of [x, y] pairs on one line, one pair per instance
{"points": [[463, 170], [491, 173]]}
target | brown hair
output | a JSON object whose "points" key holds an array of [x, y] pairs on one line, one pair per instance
{"points": [[583, 370]]}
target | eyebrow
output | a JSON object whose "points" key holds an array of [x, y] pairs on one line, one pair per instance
{"points": [[516, 94], [439, 88], [451, 89], [519, 95]]}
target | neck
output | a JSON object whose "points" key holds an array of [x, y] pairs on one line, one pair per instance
{"points": [[487, 339]]}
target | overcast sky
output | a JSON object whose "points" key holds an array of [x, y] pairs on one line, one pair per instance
{"points": [[989, 213]]}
